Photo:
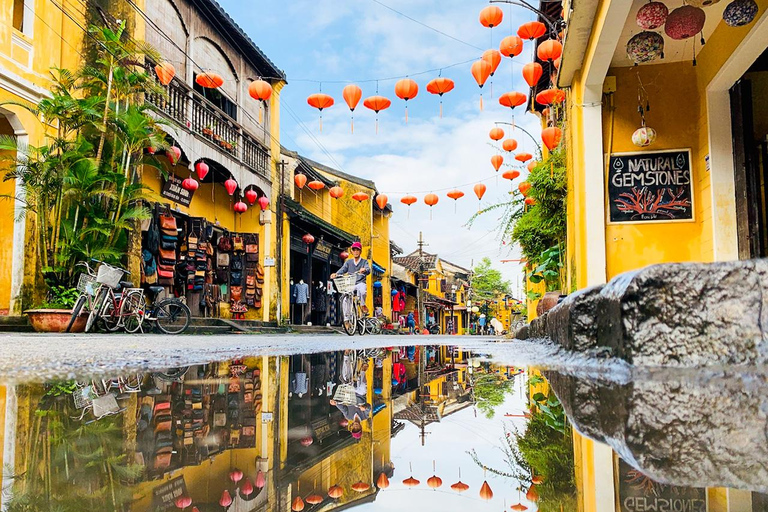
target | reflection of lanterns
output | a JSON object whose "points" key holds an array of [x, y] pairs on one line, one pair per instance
{"points": [[201, 168], [684, 22], [335, 492], [411, 482], [261, 480], [360, 486], [230, 185], [300, 180], [434, 482], [652, 15], [183, 502], [740, 12], [236, 475], [226, 499], [308, 239], [190, 184], [307, 441], [314, 499], [644, 136], [247, 488], [485, 491], [382, 482], [460, 486], [519, 507], [298, 504], [645, 47]]}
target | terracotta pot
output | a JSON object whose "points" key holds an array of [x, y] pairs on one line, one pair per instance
{"points": [[54, 320], [547, 302]]}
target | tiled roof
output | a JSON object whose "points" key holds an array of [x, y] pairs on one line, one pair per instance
{"points": [[411, 262]]}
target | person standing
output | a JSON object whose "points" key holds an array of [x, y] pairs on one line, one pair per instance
{"points": [[411, 322]]}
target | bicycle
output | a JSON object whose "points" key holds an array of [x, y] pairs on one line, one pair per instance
{"points": [[350, 304], [169, 315], [97, 296]]}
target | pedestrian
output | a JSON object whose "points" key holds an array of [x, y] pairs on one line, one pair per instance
{"points": [[411, 321]]}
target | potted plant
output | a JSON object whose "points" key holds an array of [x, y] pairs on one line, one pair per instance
{"points": [[54, 313], [208, 131], [217, 137]]}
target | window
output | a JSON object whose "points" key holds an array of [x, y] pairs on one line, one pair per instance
{"points": [[216, 97], [18, 15]]}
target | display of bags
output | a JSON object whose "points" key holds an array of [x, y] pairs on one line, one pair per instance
{"points": [[168, 222], [236, 264], [237, 243], [225, 243], [222, 259]]}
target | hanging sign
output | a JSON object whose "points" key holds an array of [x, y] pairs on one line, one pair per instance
{"points": [[173, 190], [164, 495], [650, 186], [638, 493], [322, 250]]}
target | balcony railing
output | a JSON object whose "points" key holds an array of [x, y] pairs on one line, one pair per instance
{"points": [[190, 109]]}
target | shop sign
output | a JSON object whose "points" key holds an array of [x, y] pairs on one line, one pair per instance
{"points": [[638, 493], [650, 186], [164, 496], [321, 428], [173, 190], [269, 262], [323, 250]]}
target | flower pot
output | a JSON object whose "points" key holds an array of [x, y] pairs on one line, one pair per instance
{"points": [[207, 132], [547, 302], [54, 320]]}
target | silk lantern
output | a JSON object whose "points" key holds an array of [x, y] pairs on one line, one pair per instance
{"points": [[530, 201], [316, 185], [440, 86], [300, 180], [377, 104], [532, 30], [260, 90], [263, 202], [523, 157], [226, 499], [455, 194], [406, 89], [532, 72], [531, 165], [251, 196], [230, 185], [644, 136], [360, 196], [240, 207], [382, 482], [740, 12], [485, 491], [298, 504], [491, 16], [431, 200], [336, 192], [481, 70], [684, 22], [510, 175], [549, 50], [352, 95], [165, 72], [209, 80], [550, 96], [360, 486], [509, 145], [479, 190], [551, 137], [496, 134], [645, 47], [308, 239], [335, 492], [512, 99], [524, 187], [382, 200], [190, 184], [652, 15], [320, 101], [496, 161], [511, 46], [173, 154], [201, 168], [492, 57]]}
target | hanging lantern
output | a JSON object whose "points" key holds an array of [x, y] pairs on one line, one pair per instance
{"points": [[381, 201], [382, 482], [230, 185], [165, 72], [551, 137], [524, 187], [190, 184], [557, 62], [209, 80], [645, 47], [644, 136], [509, 145], [549, 50], [518, 507], [408, 200], [183, 502], [440, 86], [537, 479], [335, 492], [360, 486], [240, 207], [532, 30], [455, 194], [684, 22], [431, 199], [201, 168], [260, 90], [360, 196], [531, 165], [226, 499], [343, 255], [406, 89], [460, 486], [510, 175], [496, 161], [496, 134], [251, 196], [314, 499], [320, 101], [298, 504], [308, 239], [377, 104], [529, 201], [532, 494], [300, 180], [652, 15], [411, 482], [492, 57], [336, 192], [434, 482], [511, 46], [263, 202], [480, 190], [532, 72], [261, 480], [236, 475], [173, 154], [491, 16], [550, 96], [512, 99], [247, 488], [308, 440], [352, 94], [485, 491], [316, 185], [740, 12], [523, 157], [481, 70]]}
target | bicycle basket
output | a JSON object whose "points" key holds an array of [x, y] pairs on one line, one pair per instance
{"points": [[109, 276], [345, 394], [345, 283], [86, 284]]}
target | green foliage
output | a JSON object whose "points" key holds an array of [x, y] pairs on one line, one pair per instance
{"points": [[550, 269], [60, 297], [490, 390], [487, 282]]}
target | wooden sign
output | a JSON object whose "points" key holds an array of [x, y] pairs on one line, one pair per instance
{"points": [[638, 493], [173, 190], [322, 250], [650, 186], [164, 495]]}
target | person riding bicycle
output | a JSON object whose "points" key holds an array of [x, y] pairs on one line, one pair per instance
{"points": [[360, 266]]}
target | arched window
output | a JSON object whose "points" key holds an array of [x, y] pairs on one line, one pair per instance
{"points": [[208, 54]]}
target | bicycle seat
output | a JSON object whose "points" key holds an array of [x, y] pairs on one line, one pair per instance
{"points": [[126, 284], [154, 291]]}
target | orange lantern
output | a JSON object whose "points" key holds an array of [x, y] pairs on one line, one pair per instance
{"points": [[316, 185], [352, 94], [518, 507], [510, 175], [406, 89], [382, 200], [408, 201], [314, 499], [551, 137], [440, 86], [550, 96], [512, 99], [532, 72], [298, 504], [556, 62], [496, 134], [455, 194], [480, 190], [532, 30], [524, 187], [485, 491], [165, 72], [531, 165], [532, 494], [511, 46], [209, 80], [434, 482], [335, 492], [529, 201], [300, 180], [538, 480], [360, 486], [360, 196], [496, 161], [491, 16], [410, 482], [492, 57], [523, 157], [320, 101], [377, 104], [481, 70], [549, 50], [509, 145], [382, 482], [336, 192], [460, 486], [431, 200], [260, 90]]}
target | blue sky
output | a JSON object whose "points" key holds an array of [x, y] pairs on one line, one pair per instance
{"points": [[333, 40]]}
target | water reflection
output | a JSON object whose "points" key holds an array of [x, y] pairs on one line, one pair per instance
{"points": [[426, 428]]}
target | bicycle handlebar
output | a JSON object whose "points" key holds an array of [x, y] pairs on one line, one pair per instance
{"points": [[110, 265]]}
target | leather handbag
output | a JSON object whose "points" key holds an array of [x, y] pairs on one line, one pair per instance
{"points": [[236, 293], [192, 242], [251, 248], [252, 257], [222, 275], [225, 243], [168, 222], [166, 254], [236, 279], [236, 263], [238, 244], [222, 259], [250, 281], [165, 274]]}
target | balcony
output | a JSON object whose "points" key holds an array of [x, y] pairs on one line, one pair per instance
{"points": [[191, 110]]}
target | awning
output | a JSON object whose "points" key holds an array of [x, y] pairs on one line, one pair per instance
{"points": [[378, 269]]}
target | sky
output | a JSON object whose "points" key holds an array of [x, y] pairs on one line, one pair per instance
{"points": [[367, 43]]}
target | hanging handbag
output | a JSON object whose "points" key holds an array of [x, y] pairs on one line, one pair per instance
{"points": [[236, 279], [236, 293], [153, 237], [192, 242], [222, 259], [222, 275], [251, 248], [168, 222], [225, 243], [250, 281], [236, 264], [166, 254], [150, 267], [237, 243], [164, 274]]}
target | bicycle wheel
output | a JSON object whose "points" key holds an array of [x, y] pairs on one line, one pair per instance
{"points": [[96, 306], [132, 311], [76, 311], [362, 326], [172, 316], [349, 314], [373, 325], [109, 318]]}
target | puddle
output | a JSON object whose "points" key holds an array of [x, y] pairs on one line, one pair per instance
{"points": [[408, 428]]}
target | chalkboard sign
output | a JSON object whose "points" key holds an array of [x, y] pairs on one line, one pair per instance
{"points": [[638, 493], [650, 186], [173, 190], [164, 495]]}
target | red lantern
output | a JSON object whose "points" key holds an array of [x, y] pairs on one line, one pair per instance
{"points": [[320, 101], [381, 200], [406, 89], [652, 15], [165, 72], [336, 192], [308, 239], [151, 150], [298, 504], [440, 86], [360, 196], [523, 157], [190, 184], [382, 482], [481, 70], [408, 200], [260, 90], [485, 491], [226, 499], [509, 145], [480, 190], [261, 480], [236, 475], [550, 96], [209, 80], [230, 185], [549, 50], [307, 441], [492, 57], [300, 180], [551, 137], [491, 16], [684, 22], [352, 94], [343, 255], [496, 134], [510, 175], [512, 99], [524, 187], [240, 207], [183, 502], [529, 201], [511, 46], [173, 154], [247, 488], [496, 161], [263, 202], [316, 185], [201, 168], [251, 196], [532, 30], [532, 73]]}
